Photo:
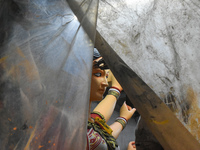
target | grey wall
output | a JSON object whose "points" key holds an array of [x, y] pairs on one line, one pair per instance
{"points": [[160, 41]]}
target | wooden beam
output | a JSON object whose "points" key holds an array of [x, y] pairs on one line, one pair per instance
{"points": [[168, 130]]}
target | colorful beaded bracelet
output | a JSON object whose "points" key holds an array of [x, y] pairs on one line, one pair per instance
{"points": [[114, 93], [122, 121]]}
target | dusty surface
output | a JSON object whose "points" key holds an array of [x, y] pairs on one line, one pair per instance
{"points": [[159, 40]]}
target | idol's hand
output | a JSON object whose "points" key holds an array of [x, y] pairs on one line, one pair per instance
{"points": [[114, 82], [127, 111], [131, 146]]}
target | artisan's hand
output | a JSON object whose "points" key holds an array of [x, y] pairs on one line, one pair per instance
{"points": [[114, 82], [126, 111], [131, 146]]}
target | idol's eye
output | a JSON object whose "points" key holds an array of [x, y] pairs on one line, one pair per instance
{"points": [[97, 74]]}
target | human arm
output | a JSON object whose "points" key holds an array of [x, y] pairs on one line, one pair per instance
{"points": [[125, 112]]}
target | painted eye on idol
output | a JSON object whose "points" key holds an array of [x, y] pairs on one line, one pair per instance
{"points": [[97, 74]]}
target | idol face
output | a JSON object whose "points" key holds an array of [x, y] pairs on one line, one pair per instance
{"points": [[98, 82]]}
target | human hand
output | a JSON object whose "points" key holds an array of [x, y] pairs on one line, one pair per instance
{"points": [[131, 146], [126, 111]]}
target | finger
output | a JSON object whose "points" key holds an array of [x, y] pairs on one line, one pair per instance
{"points": [[124, 104], [133, 143], [129, 107], [133, 110]]}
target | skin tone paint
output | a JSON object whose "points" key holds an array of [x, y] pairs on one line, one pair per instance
{"points": [[99, 83]]}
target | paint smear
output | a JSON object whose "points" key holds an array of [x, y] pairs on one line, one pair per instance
{"points": [[30, 69], [3, 59], [19, 51], [30, 139], [40, 146], [194, 111], [160, 122]]}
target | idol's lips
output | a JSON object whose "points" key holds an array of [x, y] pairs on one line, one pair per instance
{"points": [[101, 90]]}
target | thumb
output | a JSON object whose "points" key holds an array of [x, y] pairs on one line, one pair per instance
{"points": [[124, 105]]}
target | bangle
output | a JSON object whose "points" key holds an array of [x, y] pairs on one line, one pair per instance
{"points": [[116, 88], [114, 93], [122, 118], [122, 121]]}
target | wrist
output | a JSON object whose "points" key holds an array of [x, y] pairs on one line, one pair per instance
{"points": [[125, 117], [117, 88], [115, 92], [122, 121]]}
